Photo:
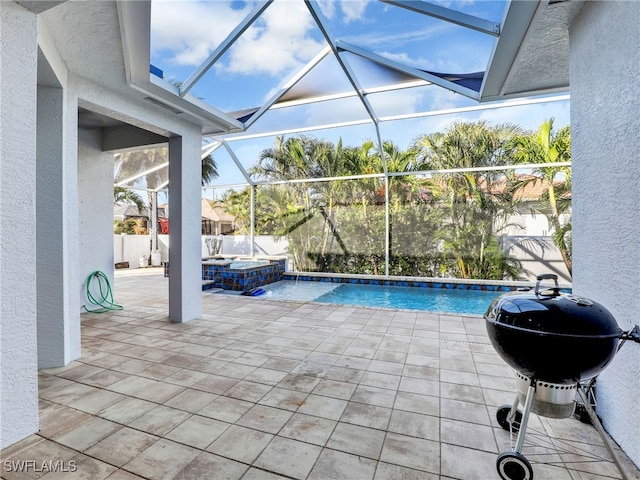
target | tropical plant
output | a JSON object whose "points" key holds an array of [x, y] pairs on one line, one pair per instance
{"points": [[145, 164], [209, 170], [439, 225], [303, 212], [478, 202], [127, 196], [130, 226], [543, 147]]}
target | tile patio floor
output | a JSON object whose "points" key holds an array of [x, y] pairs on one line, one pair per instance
{"points": [[262, 389]]}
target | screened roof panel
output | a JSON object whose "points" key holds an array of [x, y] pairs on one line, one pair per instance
{"points": [[417, 99], [372, 75], [231, 86], [417, 40], [237, 56], [328, 112], [488, 9], [314, 84], [273, 64], [250, 65], [183, 34], [142, 169]]}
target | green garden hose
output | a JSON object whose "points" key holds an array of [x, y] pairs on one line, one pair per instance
{"points": [[105, 302]]}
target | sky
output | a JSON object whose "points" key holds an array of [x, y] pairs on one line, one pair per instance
{"points": [[285, 38]]}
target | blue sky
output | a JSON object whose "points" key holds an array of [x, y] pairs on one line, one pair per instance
{"points": [[285, 38]]}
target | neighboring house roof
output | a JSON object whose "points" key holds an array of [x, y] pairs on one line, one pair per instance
{"points": [[125, 210], [530, 191], [210, 211], [214, 211]]}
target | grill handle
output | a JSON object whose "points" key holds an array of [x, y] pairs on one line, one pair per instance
{"points": [[547, 276], [633, 335]]}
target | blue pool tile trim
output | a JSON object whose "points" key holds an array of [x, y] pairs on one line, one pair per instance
{"points": [[238, 279], [420, 283], [246, 279]]}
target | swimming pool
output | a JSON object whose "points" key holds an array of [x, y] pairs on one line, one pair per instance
{"points": [[468, 302]]}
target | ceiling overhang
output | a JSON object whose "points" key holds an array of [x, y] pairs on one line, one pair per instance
{"points": [[135, 27], [531, 56]]}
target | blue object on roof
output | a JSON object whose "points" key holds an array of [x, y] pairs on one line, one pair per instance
{"points": [[472, 81], [244, 115], [156, 71]]}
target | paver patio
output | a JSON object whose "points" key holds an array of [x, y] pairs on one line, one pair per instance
{"points": [[265, 389]]}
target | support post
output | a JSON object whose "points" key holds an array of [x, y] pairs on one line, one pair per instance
{"points": [[18, 318], [185, 251]]}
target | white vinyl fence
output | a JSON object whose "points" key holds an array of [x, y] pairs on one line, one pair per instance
{"points": [[537, 254], [129, 248]]}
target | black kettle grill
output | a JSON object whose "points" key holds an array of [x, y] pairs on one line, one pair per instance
{"points": [[557, 343]]}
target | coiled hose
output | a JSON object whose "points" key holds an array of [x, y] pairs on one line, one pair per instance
{"points": [[105, 301]]}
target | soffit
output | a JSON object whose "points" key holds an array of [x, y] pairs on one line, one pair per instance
{"points": [[89, 40], [531, 56]]}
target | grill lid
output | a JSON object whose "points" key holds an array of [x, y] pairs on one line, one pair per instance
{"points": [[553, 312], [551, 336], [561, 314]]}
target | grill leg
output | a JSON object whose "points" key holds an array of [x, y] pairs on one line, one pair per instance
{"points": [[512, 413], [598, 426], [531, 392]]}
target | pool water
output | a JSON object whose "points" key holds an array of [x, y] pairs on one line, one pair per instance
{"points": [[469, 302], [247, 264]]}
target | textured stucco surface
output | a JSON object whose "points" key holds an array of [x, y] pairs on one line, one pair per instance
{"points": [[76, 225], [185, 286], [605, 93], [18, 352], [57, 247], [95, 187], [83, 28], [550, 29]]}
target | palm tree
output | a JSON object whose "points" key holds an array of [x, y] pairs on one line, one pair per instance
{"points": [[542, 147], [124, 195], [289, 159], [209, 170], [130, 164], [478, 202], [137, 162]]}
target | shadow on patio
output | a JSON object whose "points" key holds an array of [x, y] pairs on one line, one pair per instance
{"points": [[263, 389]]}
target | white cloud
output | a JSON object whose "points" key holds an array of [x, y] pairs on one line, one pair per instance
{"points": [[328, 8], [397, 37], [277, 42], [353, 10], [191, 29], [350, 10]]}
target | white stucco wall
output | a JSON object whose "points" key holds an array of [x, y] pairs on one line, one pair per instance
{"points": [[82, 190], [605, 101], [18, 349], [185, 281], [57, 219], [95, 208]]}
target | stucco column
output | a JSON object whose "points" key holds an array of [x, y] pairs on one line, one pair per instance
{"points": [[58, 308], [605, 129], [185, 217], [95, 211], [18, 352]]}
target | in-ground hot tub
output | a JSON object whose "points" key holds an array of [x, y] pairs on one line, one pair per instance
{"points": [[241, 275]]}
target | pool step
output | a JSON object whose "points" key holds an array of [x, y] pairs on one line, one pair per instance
{"points": [[208, 284]]}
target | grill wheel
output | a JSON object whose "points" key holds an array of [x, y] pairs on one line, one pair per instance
{"points": [[514, 466], [501, 417]]}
